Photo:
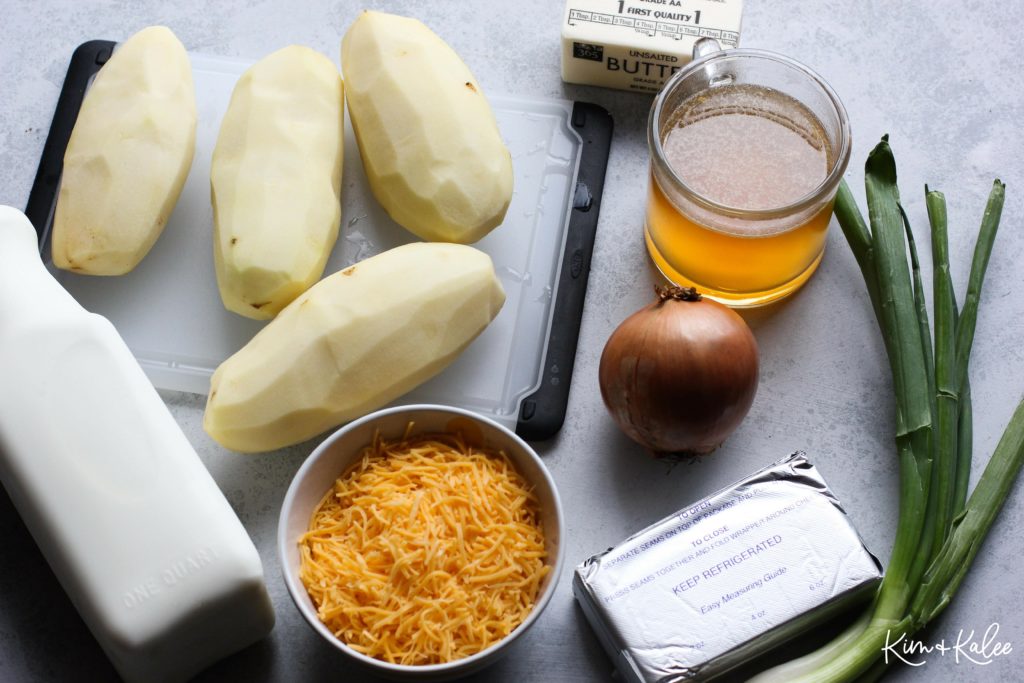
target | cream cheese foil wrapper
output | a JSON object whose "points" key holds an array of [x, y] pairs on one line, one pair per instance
{"points": [[728, 578]]}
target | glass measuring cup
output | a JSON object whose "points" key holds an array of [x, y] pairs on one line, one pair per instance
{"points": [[747, 151]]}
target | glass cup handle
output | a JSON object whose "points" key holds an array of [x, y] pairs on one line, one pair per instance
{"points": [[717, 75], [704, 47]]}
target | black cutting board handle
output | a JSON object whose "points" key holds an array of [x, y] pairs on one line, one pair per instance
{"points": [[542, 413], [86, 61]]}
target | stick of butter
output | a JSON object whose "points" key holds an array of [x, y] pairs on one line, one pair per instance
{"points": [[638, 44], [727, 579]]}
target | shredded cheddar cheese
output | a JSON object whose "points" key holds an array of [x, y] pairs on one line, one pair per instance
{"points": [[427, 551]]}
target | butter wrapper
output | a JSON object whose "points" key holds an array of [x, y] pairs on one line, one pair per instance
{"points": [[728, 578], [638, 44]]}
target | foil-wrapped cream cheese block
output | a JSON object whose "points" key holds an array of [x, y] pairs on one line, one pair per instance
{"points": [[727, 578]]}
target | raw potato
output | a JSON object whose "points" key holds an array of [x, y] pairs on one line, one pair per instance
{"points": [[428, 139], [128, 156], [355, 341], [275, 181]]}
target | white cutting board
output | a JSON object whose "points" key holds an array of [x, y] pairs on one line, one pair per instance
{"points": [[169, 310]]}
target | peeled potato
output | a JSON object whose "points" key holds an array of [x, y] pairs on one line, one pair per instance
{"points": [[276, 181], [128, 156], [428, 139], [355, 341]]}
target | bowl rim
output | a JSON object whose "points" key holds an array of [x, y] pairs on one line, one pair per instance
{"points": [[298, 593]]}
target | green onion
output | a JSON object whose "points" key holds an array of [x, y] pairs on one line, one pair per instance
{"points": [[910, 379], [940, 530], [946, 384], [964, 449], [971, 525], [928, 531]]}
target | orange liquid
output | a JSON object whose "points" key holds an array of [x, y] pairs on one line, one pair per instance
{"points": [[748, 148], [735, 269]]}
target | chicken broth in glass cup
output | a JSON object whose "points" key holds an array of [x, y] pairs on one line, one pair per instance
{"points": [[747, 151]]}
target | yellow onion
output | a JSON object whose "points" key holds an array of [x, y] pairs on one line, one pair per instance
{"points": [[679, 375]]}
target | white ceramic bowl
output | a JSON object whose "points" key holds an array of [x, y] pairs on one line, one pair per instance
{"points": [[342, 449]]}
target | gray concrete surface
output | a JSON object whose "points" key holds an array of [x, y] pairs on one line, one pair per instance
{"points": [[943, 78]]}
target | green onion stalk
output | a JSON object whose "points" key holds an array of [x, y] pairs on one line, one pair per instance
{"points": [[940, 529]]}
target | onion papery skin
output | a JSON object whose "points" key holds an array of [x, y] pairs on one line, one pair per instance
{"points": [[679, 376]]}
